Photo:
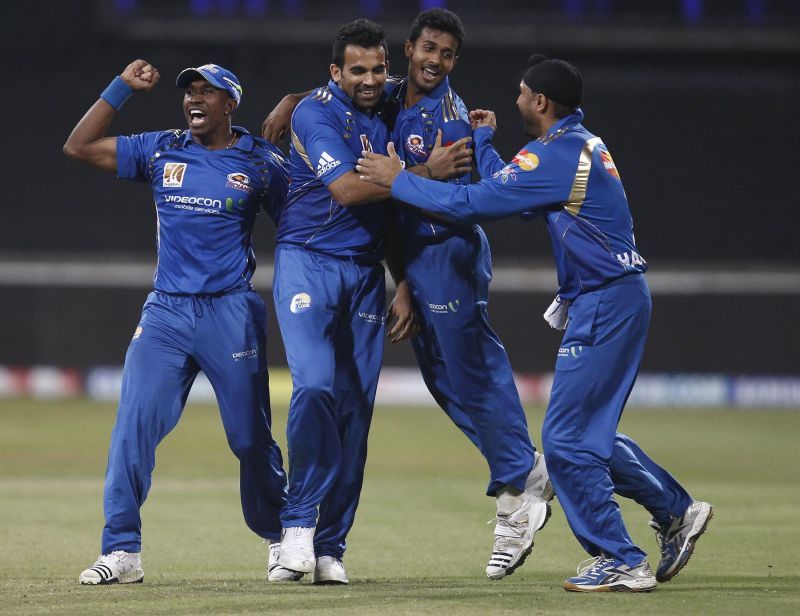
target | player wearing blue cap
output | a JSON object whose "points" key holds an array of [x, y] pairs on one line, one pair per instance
{"points": [[567, 175], [209, 183], [448, 269]]}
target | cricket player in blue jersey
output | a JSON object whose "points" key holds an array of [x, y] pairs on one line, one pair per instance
{"points": [[448, 268], [568, 175], [330, 300], [209, 183]]}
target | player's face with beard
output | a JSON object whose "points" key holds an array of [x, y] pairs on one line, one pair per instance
{"points": [[204, 108], [363, 75], [430, 58], [526, 103]]}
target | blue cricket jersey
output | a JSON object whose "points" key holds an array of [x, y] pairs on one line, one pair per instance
{"points": [[567, 175], [328, 135], [207, 202], [414, 134]]}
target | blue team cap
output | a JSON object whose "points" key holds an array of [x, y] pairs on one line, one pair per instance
{"points": [[215, 75]]}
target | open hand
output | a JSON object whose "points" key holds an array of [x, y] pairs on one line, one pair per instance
{"points": [[401, 319], [452, 161]]}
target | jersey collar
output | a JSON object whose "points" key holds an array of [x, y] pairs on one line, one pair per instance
{"points": [[244, 142], [576, 117], [340, 94]]}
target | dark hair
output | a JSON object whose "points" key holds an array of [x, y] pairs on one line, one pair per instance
{"points": [[438, 19], [361, 33]]}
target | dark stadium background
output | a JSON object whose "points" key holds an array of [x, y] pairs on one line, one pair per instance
{"points": [[697, 105]]}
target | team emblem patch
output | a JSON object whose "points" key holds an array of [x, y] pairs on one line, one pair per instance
{"points": [[608, 163], [525, 160], [173, 175], [415, 145], [239, 181], [300, 303]]}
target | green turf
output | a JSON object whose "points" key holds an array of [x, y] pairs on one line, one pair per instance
{"points": [[420, 542]]}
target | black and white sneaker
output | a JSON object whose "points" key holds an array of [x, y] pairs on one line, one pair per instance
{"points": [[276, 573], [118, 567]]}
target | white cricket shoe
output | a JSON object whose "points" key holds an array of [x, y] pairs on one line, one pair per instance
{"points": [[519, 517], [297, 549], [117, 567], [329, 570], [276, 573]]}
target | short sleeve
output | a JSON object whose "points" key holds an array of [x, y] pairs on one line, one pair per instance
{"points": [[134, 153], [317, 133]]}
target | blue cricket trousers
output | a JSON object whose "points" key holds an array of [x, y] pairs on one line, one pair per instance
{"points": [[587, 459], [331, 313], [178, 336], [463, 362]]}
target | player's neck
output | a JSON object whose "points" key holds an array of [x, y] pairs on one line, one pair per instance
{"points": [[218, 140], [413, 94]]}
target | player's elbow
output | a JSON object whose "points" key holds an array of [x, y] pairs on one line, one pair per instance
{"points": [[70, 150], [345, 195]]}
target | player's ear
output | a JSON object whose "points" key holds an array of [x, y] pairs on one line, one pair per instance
{"points": [[230, 107], [408, 48], [336, 73]]}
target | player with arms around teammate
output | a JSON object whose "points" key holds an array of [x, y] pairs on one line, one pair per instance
{"points": [[209, 183], [567, 174], [330, 300], [448, 268]]}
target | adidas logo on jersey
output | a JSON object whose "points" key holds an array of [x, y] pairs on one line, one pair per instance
{"points": [[326, 163]]}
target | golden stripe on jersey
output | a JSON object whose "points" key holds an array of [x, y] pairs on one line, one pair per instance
{"points": [[578, 193], [301, 150], [449, 107]]}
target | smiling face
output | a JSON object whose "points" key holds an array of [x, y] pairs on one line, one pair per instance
{"points": [[206, 109], [430, 58], [362, 75]]}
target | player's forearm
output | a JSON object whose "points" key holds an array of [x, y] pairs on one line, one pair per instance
{"points": [[87, 141], [348, 190], [486, 157]]}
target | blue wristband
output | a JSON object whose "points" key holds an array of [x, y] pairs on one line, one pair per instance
{"points": [[116, 93]]}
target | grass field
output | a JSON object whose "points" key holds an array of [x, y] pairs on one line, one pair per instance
{"points": [[420, 542]]}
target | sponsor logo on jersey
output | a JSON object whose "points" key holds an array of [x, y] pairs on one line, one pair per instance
{"points": [[572, 351], [445, 308], [378, 319], [505, 174], [248, 354], [173, 175], [137, 333], [300, 303], [416, 145], [326, 163], [608, 163], [239, 181], [527, 161], [206, 202]]}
